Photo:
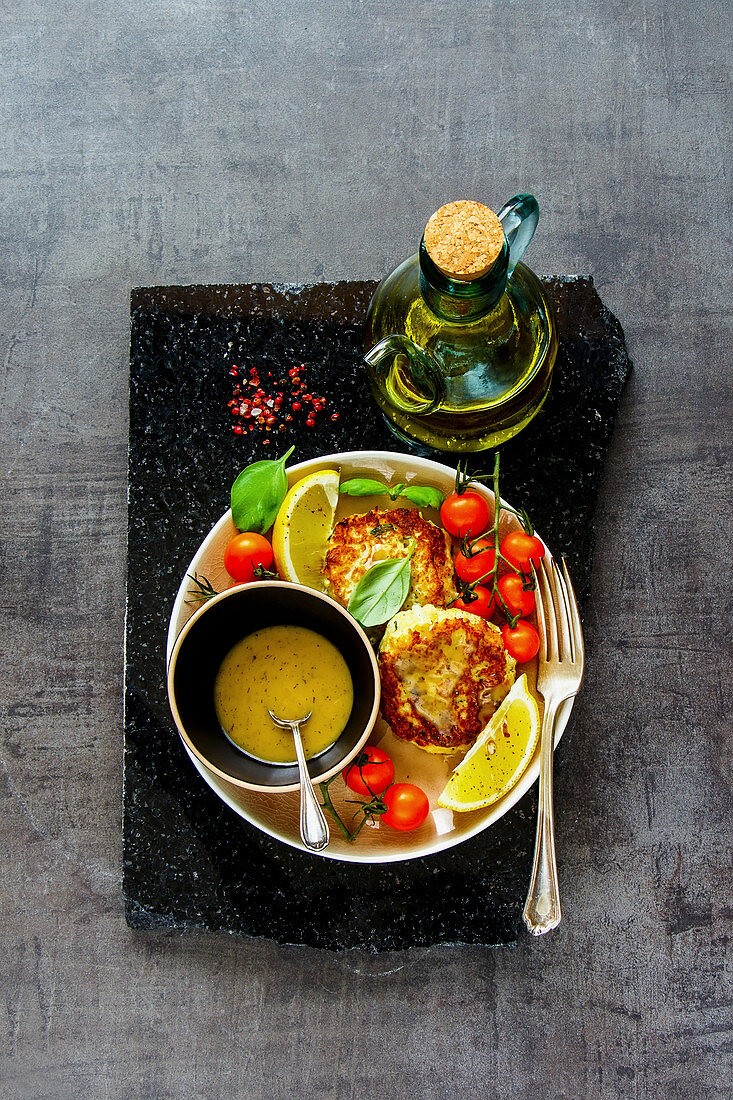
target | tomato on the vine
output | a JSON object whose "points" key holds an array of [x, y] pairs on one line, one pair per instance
{"points": [[518, 599], [245, 553], [483, 605], [371, 775], [478, 564], [464, 513], [522, 642], [520, 549], [407, 806]]}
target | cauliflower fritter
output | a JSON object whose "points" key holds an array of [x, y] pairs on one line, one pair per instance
{"points": [[444, 672], [359, 542]]}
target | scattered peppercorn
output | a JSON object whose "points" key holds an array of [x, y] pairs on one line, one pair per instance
{"points": [[263, 407]]}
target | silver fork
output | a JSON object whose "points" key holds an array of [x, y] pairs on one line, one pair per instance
{"points": [[560, 673]]}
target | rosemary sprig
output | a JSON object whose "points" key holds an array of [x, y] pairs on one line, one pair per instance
{"points": [[201, 590]]}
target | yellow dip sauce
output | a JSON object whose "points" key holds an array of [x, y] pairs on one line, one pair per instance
{"points": [[290, 670]]}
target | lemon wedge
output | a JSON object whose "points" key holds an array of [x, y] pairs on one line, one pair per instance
{"points": [[500, 756], [302, 527]]}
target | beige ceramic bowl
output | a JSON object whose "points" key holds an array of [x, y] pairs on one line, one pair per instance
{"points": [[278, 815]]}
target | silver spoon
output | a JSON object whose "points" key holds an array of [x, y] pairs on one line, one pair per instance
{"points": [[313, 827]]}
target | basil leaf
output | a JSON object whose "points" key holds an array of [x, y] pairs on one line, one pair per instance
{"points": [[258, 493], [363, 487], [382, 591], [423, 495]]}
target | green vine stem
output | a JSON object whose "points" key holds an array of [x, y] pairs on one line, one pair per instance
{"points": [[328, 805], [467, 590], [374, 808]]}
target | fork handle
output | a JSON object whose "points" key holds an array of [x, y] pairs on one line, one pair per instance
{"points": [[542, 908]]}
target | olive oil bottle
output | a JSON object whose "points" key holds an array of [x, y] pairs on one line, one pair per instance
{"points": [[460, 340]]}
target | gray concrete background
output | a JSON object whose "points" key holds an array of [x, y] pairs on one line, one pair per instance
{"points": [[214, 141]]}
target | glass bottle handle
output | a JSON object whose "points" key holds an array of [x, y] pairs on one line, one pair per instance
{"points": [[425, 371], [519, 219]]}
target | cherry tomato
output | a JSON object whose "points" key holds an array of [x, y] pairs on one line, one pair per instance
{"points": [[407, 806], [373, 775], [521, 642], [464, 513], [520, 549], [479, 564], [244, 553], [483, 605], [518, 599]]}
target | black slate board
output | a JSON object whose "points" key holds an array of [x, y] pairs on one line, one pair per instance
{"points": [[190, 861]]}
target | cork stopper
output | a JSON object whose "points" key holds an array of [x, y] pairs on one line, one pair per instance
{"points": [[463, 239]]}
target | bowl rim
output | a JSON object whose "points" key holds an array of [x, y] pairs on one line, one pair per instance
{"points": [[242, 590]]}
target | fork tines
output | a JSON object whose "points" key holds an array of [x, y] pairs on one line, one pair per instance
{"points": [[561, 634]]}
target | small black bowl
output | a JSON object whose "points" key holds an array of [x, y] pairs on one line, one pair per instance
{"points": [[205, 641]]}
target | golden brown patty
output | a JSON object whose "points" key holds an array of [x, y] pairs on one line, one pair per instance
{"points": [[443, 673], [359, 542]]}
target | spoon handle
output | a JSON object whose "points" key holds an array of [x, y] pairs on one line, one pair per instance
{"points": [[313, 827]]}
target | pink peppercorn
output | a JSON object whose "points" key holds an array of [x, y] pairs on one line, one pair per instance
{"points": [[296, 406], [334, 416], [238, 429]]}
